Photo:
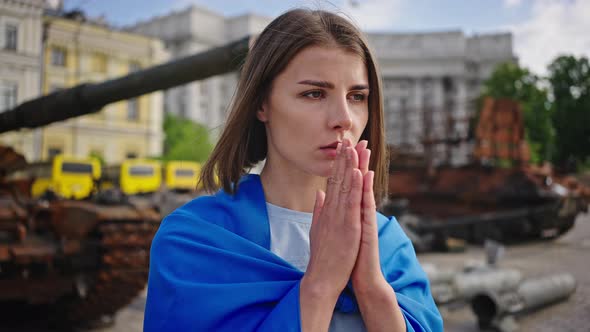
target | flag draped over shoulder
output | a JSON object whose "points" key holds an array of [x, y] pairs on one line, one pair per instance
{"points": [[211, 269]]}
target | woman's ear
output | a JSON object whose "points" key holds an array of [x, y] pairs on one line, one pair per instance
{"points": [[262, 113]]}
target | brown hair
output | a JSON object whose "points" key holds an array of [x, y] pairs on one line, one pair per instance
{"points": [[242, 143]]}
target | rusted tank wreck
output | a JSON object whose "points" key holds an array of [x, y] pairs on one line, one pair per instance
{"points": [[483, 199], [82, 260]]}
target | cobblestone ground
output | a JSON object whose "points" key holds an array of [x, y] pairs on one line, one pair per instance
{"points": [[568, 254]]}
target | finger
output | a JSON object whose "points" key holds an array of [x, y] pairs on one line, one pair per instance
{"points": [[351, 164], [368, 201], [333, 184], [354, 199], [364, 159], [355, 158], [361, 145]]}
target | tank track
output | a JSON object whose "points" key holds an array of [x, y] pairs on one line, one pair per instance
{"points": [[122, 275]]}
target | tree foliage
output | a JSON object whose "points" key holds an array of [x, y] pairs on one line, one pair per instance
{"points": [[570, 86], [512, 81], [185, 140], [98, 156]]}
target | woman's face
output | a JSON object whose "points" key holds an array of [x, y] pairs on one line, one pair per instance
{"points": [[320, 99]]}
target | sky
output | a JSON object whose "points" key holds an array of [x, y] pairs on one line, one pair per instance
{"points": [[542, 29]]}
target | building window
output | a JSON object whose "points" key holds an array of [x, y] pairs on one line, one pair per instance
{"points": [[99, 63], [132, 110], [58, 57], [204, 89], [131, 155], [8, 95], [181, 108], [10, 37], [53, 151]]}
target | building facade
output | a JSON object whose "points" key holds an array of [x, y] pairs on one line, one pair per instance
{"points": [[20, 66], [430, 80], [78, 51], [194, 30], [430, 84]]}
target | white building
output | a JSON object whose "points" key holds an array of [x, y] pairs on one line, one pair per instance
{"points": [[430, 79], [20, 63], [194, 30], [430, 83]]}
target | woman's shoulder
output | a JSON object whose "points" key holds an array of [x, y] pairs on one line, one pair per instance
{"points": [[230, 211], [207, 208], [390, 228], [383, 220]]}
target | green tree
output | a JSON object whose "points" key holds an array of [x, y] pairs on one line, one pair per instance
{"points": [[570, 86], [98, 156], [185, 140], [512, 81]]}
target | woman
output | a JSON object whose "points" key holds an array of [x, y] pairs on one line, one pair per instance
{"points": [[245, 259]]}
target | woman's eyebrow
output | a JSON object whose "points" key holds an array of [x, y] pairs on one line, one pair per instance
{"points": [[328, 85], [320, 84], [359, 87]]}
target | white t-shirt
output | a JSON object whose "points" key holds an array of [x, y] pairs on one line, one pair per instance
{"points": [[289, 239]]}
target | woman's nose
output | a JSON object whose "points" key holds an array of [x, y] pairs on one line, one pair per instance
{"points": [[340, 115]]}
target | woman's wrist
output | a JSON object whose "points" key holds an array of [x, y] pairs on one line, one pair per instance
{"points": [[378, 288], [318, 290], [379, 307], [317, 304]]}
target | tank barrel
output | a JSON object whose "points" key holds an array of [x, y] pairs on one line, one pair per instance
{"points": [[92, 97]]}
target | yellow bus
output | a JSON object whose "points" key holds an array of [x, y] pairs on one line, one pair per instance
{"points": [[182, 175], [134, 176], [68, 177]]}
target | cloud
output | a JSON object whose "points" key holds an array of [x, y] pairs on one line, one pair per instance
{"points": [[512, 3], [369, 15], [373, 15], [554, 28]]}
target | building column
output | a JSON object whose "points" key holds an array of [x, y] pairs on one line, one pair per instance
{"points": [[462, 122], [439, 120], [418, 108]]}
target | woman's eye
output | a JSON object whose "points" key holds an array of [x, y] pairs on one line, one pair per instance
{"points": [[358, 97], [314, 94]]}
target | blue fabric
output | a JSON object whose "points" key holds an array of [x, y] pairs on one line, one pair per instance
{"points": [[211, 270]]}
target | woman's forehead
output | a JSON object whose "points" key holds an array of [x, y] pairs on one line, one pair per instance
{"points": [[326, 63]]}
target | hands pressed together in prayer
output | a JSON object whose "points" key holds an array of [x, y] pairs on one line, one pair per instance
{"points": [[343, 236], [344, 245]]}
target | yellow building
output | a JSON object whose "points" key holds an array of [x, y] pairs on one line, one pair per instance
{"points": [[78, 51], [20, 51]]}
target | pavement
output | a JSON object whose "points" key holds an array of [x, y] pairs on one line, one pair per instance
{"points": [[566, 254]]}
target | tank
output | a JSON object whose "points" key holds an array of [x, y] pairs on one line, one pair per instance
{"points": [[498, 195], [83, 259]]}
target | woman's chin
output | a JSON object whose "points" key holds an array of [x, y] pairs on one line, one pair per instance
{"points": [[324, 172]]}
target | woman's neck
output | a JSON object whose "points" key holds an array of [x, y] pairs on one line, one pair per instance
{"points": [[295, 191]]}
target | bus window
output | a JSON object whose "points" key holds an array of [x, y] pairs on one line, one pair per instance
{"points": [[184, 173], [141, 170], [77, 168]]}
